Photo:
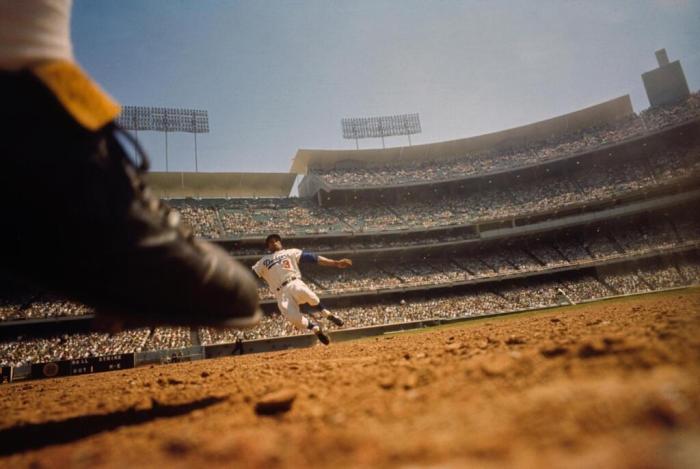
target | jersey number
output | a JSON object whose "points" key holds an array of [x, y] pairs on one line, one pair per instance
{"points": [[286, 264]]}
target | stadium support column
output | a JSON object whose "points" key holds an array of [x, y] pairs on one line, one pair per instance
{"points": [[166, 151], [196, 165], [136, 144], [381, 132], [194, 131], [166, 127], [136, 136]]}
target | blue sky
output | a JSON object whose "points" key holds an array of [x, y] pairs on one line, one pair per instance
{"points": [[276, 76]]}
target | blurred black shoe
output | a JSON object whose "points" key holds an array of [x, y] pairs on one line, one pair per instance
{"points": [[79, 220], [322, 336], [333, 318]]}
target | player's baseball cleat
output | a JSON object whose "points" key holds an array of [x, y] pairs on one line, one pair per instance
{"points": [[80, 220], [322, 336], [335, 319]]}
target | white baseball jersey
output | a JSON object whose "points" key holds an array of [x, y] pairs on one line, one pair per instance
{"points": [[280, 266]]}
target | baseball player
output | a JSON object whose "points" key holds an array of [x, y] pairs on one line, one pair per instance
{"points": [[280, 269]]}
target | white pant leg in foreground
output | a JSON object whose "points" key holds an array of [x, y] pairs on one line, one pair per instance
{"points": [[290, 297]]}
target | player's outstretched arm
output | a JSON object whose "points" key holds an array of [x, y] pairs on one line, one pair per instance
{"points": [[341, 263]]}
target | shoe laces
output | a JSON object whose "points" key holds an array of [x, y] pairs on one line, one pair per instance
{"points": [[171, 218]]}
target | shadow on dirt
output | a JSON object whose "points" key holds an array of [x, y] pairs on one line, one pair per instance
{"points": [[38, 435]]}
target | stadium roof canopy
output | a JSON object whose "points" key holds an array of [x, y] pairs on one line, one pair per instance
{"points": [[608, 111], [220, 185]]}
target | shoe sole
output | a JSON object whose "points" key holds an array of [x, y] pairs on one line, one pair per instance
{"points": [[325, 340], [336, 320]]}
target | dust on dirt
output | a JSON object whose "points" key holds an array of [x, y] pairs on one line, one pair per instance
{"points": [[613, 384]]}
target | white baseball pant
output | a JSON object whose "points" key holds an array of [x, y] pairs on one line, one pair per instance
{"points": [[290, 297]]}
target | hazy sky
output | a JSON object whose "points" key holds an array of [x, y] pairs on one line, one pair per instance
{"points": [[276, 76]]}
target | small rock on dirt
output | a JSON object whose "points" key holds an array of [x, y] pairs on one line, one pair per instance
{"points": [[497, 365], [275, 402], [593, 348], [387, 382], [553, 350], [515, 340], [453, 347], [410, 382]]}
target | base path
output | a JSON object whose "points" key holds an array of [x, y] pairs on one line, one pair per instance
{"points": [[611, 384]]}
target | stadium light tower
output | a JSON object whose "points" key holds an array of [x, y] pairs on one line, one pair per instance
{"points": [[163, 119], [356, 128]]}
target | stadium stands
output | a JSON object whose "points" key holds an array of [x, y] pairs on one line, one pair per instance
{"points": [[546, 194], [585, 247], [611, 257], [507, 296], [512, 295], [500, 159]]}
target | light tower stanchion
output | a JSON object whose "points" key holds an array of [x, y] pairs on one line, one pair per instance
{"points": [[196, 164], [166, 120], [166, 151]]}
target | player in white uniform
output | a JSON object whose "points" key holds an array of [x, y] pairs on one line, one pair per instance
{"points": [[280, 269]]}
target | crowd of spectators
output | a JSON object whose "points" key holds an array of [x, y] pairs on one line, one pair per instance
{"points": [[590, 245], [589, 183], [594, 245], [509, 296], [71, 346], [508, 158], [202, 218], [505, 296], [283, 215], [661, 277], [673, 114], [625, 282], [361, 244], [38, 306], [163, 338]]}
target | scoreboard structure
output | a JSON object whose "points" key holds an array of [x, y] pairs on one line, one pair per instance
{"points": [[82, 366], [665, 84]]}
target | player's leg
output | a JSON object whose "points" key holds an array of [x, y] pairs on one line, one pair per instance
{"points": [[305, 295], [290, 309], [81, 221]]}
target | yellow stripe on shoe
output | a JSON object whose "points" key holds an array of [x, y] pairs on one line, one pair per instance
{"points": [[80, 96]]}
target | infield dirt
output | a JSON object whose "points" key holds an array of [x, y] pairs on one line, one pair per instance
{"points": [[613, 384]]}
